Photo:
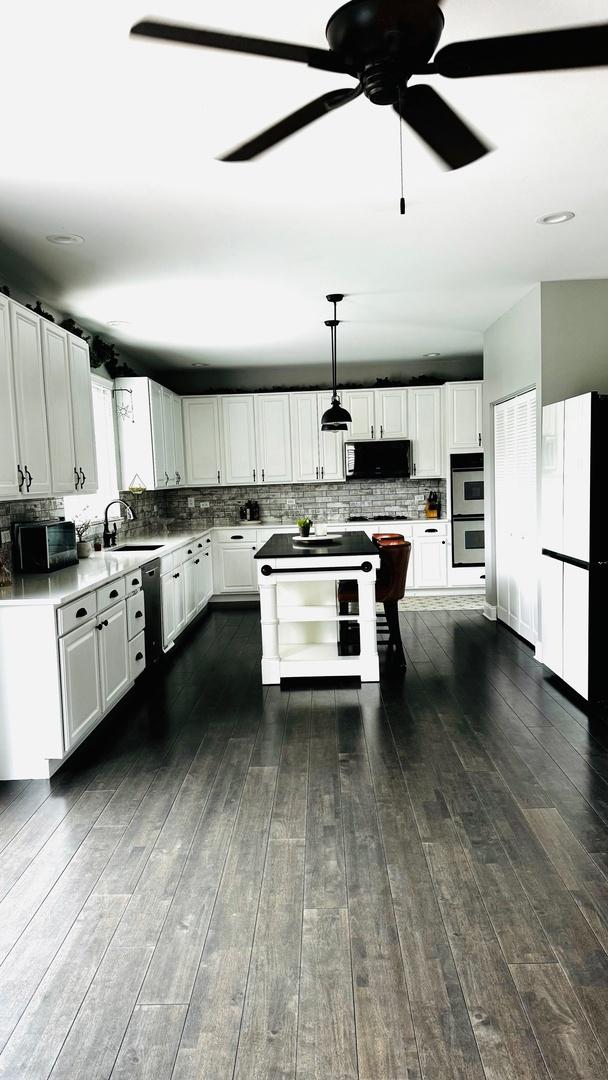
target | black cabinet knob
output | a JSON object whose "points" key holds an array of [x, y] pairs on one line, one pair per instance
{"points": [[80, 614], [113, 594], [139, 656]]}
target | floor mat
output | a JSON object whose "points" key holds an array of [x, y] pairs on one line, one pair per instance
{"points": [[442, 603]]}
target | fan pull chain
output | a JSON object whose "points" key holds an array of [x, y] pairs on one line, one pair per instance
{"points": [[402, 199]]}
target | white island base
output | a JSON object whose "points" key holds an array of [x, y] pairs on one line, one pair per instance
{"points": [[300, 620]]}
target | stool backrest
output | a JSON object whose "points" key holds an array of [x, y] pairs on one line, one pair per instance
{"points": [[394, 561]]}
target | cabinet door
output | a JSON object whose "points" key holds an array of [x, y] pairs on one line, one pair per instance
{"points": [[29, 395], [465, 405], [552, 473], [305, 434], [273, 438], [430, 563], [577, 477], [207, 577], [168, 607], [190, 575], [238, 428], [179, 599], [552, 613], [169, 436], [202, 441], [234, 568], [55, 359], [114, 655], [391, 414], [82, 415], [361, 406], [424, 407], [576, 629], [161, 475], [178, 435], [331, 445], [80, 681], [9, 451]]}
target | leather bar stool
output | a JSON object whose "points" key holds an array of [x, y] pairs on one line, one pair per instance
{"points": [[390, 586]]}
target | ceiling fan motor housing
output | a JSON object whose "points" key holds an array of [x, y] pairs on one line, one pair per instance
{"points": [[383, 42]]}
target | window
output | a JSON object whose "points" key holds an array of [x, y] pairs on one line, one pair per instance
{"points": [[93, 506]]}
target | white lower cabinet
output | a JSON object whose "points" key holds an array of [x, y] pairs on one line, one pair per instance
{"points": [[430, 562], [81, 682], [190, 587], [137, 655], [185, 587], [114, 655], [565, 622], [234, 568]]}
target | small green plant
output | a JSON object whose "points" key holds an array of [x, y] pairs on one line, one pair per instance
{"points": [[304, 522]]}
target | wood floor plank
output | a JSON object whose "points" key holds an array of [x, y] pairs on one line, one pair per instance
{"points": [[210, 1037], [267, 1043], [327, 1047], [289, 811], [37, 1039], [150, 1043], [20, 810], [10, 790], [325, 879], [569, 1047]]}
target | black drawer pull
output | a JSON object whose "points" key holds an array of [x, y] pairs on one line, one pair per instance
{"points": [[199, 545], [139, 614], [80, 614], [196, 562], [189, 551], [135, 581], [113, 594], [139, 656], [431, 530], [208, 540], [237, 537]]}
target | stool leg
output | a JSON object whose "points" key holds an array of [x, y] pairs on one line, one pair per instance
{"points": [[391, 610]]}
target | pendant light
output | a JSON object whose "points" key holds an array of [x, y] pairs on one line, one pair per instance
{"points": [[336, 418]]}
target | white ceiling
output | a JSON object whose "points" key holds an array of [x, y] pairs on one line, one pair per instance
{"points": [[115, 139]]}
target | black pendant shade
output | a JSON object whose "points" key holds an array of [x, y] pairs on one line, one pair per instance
{"points": [[336, 418]]}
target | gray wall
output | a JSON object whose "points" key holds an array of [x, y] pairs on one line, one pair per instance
{"points": [[511, 363], [574, 338]]}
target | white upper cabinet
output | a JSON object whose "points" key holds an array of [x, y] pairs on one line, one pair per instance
{"points": [[464, 406], [392, 414], [305, 437], [361, 405], [238, 429], [552, 474], [178, 437], [85, 458], [30, 400], [273, 438], [156, 425], [9, 450], [202, 441], [331, 445], [168, 436], [56, 362], [425, 431]]}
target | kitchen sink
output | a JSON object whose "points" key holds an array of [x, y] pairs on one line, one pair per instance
{"points": [[136, 547]]}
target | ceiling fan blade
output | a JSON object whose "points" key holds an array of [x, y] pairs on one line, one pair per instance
{"points": [[440, 127], [214, 39], [548, 50], [290, 124]]}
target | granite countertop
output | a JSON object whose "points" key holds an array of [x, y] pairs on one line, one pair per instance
{"points": [[100, 568], [282, 546]]}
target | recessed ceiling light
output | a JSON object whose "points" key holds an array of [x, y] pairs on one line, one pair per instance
{"points": [[557, 218], [431, 355], [199, 365], [65, 239], [120, 324]]}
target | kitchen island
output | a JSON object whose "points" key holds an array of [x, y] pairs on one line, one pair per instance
{"points": [[300, 620]]}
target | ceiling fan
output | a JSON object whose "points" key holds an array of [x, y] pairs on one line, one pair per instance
{"points": [[382, 44]]}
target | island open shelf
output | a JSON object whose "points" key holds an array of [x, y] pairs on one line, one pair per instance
{"points": [[300, 619]]}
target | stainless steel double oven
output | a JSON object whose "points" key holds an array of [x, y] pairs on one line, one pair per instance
{"points": [[467, 490]]}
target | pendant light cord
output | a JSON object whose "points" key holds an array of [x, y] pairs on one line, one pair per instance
{"points": [[402, 199]]}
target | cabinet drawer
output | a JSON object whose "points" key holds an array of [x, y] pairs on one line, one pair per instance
{"points": [[236, 535], [109, 594], [136, 614], [137, 655], [133, 581], [429, 528], [76, 613]]}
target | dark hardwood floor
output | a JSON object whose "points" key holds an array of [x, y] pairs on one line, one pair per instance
{"points": [[402, 882]]}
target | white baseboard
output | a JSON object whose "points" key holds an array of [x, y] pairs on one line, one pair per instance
{"points": [[489, 612]]}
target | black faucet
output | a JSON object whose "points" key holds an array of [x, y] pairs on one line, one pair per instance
{"points": [[109, 538]]}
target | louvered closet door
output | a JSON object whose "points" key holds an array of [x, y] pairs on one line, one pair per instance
{"points": [[516, 513]]}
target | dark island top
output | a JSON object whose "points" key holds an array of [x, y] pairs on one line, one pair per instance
{"points": [[281, 546]]}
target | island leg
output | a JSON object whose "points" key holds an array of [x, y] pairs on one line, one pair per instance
{"points": [[270, 632], [370, 667]]}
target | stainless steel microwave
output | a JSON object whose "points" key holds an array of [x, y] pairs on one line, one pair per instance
{"points": [[368, 459], [39, 547]]}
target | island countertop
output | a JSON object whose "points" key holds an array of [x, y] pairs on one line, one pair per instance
{"points": [[282, 546]]}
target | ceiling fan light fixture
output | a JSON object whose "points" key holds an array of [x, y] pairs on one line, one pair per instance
{"points": [[431, 355], [65, 239], [558, 218]]}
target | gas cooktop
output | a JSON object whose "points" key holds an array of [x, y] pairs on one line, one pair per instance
{"points": [[378, 517]]}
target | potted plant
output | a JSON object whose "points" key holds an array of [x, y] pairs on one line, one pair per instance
{"points": [[304, 524], [82, 523]]}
